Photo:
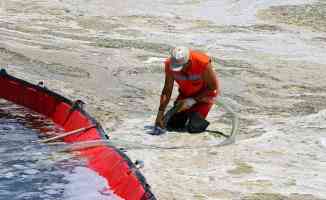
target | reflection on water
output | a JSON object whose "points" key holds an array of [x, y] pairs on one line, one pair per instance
{"points": [[23, 164], [34, 171]]}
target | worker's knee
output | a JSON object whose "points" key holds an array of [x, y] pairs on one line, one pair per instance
{"points": [[196, 123]]}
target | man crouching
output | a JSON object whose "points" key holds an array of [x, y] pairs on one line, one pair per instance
{"points": [[198, 89]]}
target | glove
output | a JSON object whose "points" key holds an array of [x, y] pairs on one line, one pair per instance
{"points": [[158, 131], [190, 102], [185, 104]]}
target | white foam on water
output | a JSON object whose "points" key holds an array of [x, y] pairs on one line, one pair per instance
{"points": [[85, 184], [222, 11], [323, 142], [317, 120], [154, 60], [241, 12]]}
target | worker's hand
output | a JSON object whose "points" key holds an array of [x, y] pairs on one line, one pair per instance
{"points": [[160, 119], [185, 104]]}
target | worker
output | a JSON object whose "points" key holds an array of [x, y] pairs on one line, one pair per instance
{"points": [[198, 89]]}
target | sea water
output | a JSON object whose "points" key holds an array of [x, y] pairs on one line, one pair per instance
{"points": [[34, 171]]}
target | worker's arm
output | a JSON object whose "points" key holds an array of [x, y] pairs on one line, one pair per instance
{"points": [[165, 99]]}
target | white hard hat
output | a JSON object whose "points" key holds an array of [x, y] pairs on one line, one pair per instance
{"points": [[179, 57]]}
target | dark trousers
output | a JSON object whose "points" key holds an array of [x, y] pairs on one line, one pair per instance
{"points": [[192, 122]]}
